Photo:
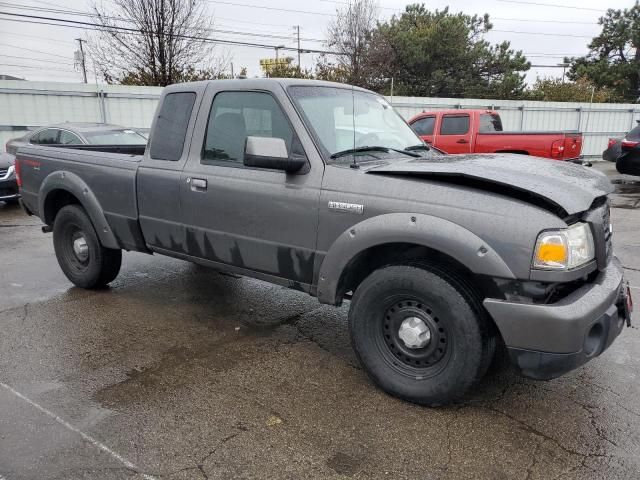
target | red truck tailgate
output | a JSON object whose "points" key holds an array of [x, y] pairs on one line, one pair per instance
{"points": [[571, 147]]}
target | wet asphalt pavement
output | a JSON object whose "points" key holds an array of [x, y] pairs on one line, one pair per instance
{"points": [[177, 372]]}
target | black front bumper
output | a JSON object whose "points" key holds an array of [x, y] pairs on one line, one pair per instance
{"points": [[545, 365], [546, 341]]}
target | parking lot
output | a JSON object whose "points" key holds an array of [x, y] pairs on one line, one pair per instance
{"points": [[178, 372]]}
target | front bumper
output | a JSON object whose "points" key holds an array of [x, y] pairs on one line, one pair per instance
{"points": [[546, 341], [8, 185]]}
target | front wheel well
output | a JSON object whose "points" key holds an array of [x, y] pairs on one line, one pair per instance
{"points": [[56, 199], [373, 258]]}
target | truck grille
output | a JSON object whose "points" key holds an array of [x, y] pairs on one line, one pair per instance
{"points": [[600, 220], [3, 171], [607, 230]]}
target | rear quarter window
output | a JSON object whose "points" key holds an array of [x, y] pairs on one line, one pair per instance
{"points": [[490, 123], [167, 141]]}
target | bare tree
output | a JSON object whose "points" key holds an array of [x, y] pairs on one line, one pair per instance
{"points": [[349, 35], [155, 42]]}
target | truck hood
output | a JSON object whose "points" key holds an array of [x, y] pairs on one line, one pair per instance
{"points": [[562, 187]]}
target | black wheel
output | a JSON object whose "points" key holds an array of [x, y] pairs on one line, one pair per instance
{"points": [[420, 333], [81, 256]]}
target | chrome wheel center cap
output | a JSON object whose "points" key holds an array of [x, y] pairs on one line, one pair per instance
{"points": [[80, 248], [414, 332]]}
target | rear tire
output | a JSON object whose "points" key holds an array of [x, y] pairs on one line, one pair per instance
{"points": [[81, 256], [460, 344]]}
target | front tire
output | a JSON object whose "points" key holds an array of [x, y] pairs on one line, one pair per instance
{"points": [[420, 333], [81, 256]]}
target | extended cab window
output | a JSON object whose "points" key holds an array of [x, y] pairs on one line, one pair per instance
{"points": [[424, 126], [46, 137], [490, 123], [171, 126], [236, 115], [454, 125]]}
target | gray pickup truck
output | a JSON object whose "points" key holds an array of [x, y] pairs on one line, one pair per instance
{"points": [[323, 188]]}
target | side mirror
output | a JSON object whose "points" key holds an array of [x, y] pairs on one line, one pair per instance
{"points": [[267, 152]]}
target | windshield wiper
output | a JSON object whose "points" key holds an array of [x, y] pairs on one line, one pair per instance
{"points": [[421, 146], [371, 149]]}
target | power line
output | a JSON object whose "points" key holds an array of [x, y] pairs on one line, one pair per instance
{"points": [[34, 51], [251, 23], [264, 7], [528, 20], [38, 68], [555, 5], [542, 33], [42, 2], [348, 3], [13, 34], [94, 15], [29, 58], [42, 20]]}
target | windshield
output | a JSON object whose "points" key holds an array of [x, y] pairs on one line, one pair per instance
{"points": [[344, 120], [114, 137]]}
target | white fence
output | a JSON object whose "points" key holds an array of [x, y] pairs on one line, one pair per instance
{"points": [[27, 105]]}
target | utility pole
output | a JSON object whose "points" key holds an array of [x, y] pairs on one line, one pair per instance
{"points": [[84, 68], [297, 28]]}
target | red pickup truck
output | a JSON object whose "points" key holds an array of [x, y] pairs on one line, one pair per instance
{"points": [[480, 131]]}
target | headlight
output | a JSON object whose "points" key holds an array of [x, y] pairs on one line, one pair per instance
{"points": [[564, 249]]}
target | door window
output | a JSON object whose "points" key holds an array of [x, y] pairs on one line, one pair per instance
{"points": [[454, 125], [48, 136], [236, 115], [68, 138], [424, 126]]}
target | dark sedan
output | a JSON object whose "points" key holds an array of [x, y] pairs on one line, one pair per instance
{"points": [[78, 134], [629, 160], [613, 150], [8, 185]]}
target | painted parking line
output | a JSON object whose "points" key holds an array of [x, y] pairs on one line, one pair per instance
{"points": [[88, 438]]}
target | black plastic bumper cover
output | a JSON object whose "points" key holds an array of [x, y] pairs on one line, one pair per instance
{"points": [[546, 341], [8, 189]]}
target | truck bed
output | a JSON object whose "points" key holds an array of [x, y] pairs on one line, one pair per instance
{"points": [[108, 178]]}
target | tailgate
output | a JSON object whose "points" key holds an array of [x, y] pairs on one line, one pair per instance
{"points": [[572, 146]]}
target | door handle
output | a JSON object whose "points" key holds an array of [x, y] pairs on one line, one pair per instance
{"points": [[462, 140], [197, 184]]}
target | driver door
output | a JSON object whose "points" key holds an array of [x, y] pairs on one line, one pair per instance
{"points": [[255, 219]]}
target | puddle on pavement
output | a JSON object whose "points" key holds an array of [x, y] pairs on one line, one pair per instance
{"points": [[627, 194], [627, 187]]}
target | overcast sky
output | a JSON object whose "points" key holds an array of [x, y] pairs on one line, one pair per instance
{"points": [[543, 32]]}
